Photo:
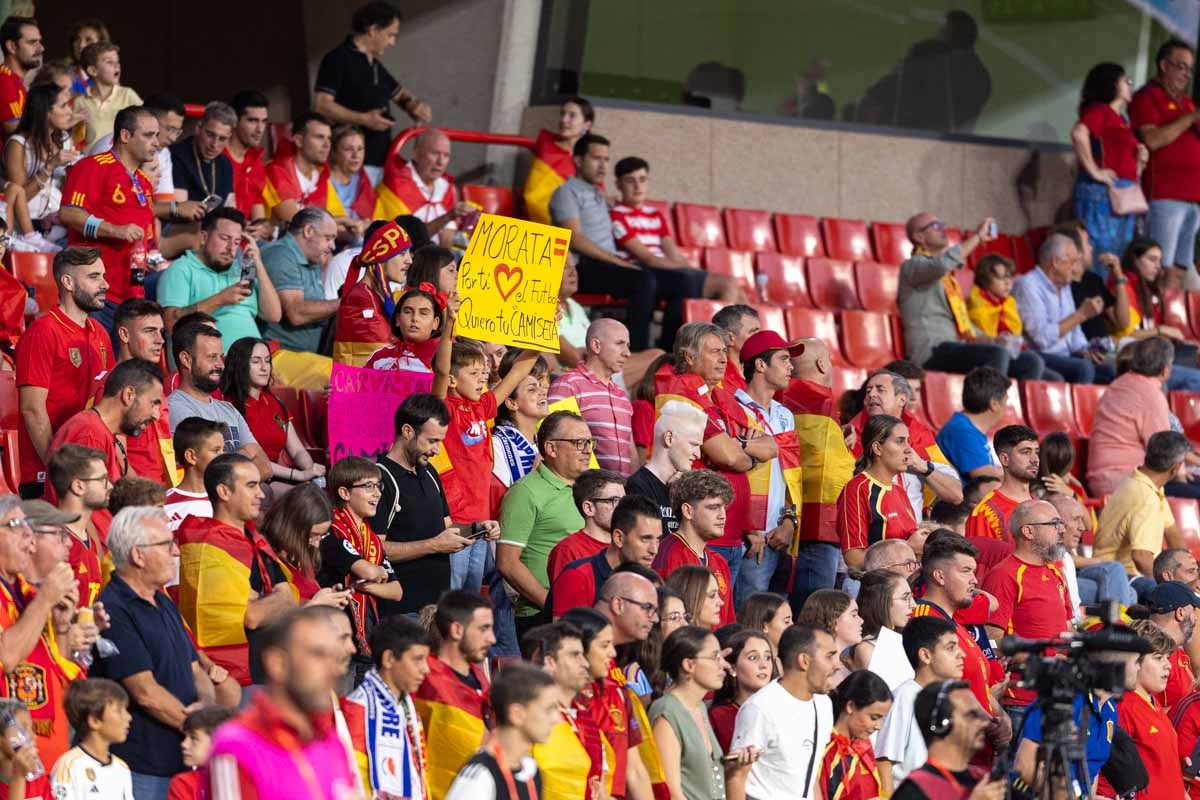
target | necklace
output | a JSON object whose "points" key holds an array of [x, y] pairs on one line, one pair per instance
{"points": [[200, 171]]}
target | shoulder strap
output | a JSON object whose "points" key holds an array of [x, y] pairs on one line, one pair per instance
{"points": [[395, 488]]}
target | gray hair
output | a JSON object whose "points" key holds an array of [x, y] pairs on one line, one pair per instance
{"points": [[688, 339], [1151, 356], [1169, 560], [8, 502], [1166, 450], [880, 555], [308, 216], [900, 384], [676, 414], [219, 112], [1056, 244], [1020, 517], [128, 530]]}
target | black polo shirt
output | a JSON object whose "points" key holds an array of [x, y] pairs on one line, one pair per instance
{"points": [[413, 507], [647, 484], [200, 178], [359, 84], [151, 638]]}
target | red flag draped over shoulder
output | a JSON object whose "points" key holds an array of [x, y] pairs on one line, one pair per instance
{"points": [[552, 165], [282, 184], [828, 465], [363, 204], [451, 715], [398, 194]]}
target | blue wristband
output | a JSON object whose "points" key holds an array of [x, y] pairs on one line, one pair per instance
{"points": [[91, 228]]}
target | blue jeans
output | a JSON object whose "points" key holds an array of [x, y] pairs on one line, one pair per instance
{"points": [[1173, 224], [1105, 581], [1016, 715], [1183, 379], [962, 357], [467, 566], [816, 568], [1079, 370], [504, 620], [150, 787], [1143, 586], [733, 557], [755, 577]]}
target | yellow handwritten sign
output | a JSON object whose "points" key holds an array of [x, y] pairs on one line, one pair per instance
{"points": [[509, 280]]}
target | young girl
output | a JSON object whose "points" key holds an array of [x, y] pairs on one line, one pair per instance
{"points": [[416, 328], [885, 603], [1058, 458], [293, 527], [991, 306], [367, 305], [848, 770], [435, 266], [17, 762], [770, 614], [836, 613], [751, 660]]}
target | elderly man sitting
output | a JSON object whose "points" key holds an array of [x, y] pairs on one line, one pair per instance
{"points": [[422, 187]]}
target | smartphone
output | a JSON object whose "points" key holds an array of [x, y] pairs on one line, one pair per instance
{"points": [[211, 203], [993, 230], [248, 272], [361, 582]]}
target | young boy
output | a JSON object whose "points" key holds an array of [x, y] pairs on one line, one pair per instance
{"points": [[17, 762], [352, 554], [106, 96], [525, 701], [198, 728], [98, 710], [990, 305], [466, 461], [197, 442], [931, 644]]}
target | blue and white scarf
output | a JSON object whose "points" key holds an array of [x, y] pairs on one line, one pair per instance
{"points": [[391, 742], [519, 453]]}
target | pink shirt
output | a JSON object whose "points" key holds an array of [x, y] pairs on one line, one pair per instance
{"points": [[1131, 410], [607, 411]]}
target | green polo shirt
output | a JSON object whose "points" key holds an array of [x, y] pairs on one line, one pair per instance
{"points": [[537, 513], [289, 269], [189, 280]]}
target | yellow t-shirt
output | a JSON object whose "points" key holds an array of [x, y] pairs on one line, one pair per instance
{"points": [[101, 113], [1134, 518]]}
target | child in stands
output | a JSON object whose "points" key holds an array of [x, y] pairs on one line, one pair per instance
{"points": [[198, 728], [848, 768], [197, 442], [106, 96], [991, 306], [17, 761], [417, 328], [98, 710]]}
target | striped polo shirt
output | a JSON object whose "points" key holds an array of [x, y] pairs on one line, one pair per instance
{"points": [[608, 412]]}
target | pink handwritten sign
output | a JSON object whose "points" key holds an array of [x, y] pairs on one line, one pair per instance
{"points": [[362, 408]]}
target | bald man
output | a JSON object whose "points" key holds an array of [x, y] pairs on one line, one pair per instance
{"points": [[603, 403], [423, 188], [1091, 580]]}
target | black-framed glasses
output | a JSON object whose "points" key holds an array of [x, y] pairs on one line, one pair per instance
{"points": [[649, 608], [911, 564], [1057, 523], [370, 486], [581, 445], [613, 500], [103, 477], [937, 223]]}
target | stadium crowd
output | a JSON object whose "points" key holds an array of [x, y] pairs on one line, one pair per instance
{"points": [[710, 577]]}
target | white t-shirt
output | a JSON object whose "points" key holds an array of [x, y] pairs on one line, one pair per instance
{"points": [[790, 734], [899, 740], [888, 660], [336, 271], [78, 776], [1068, 568], [180, 504]]}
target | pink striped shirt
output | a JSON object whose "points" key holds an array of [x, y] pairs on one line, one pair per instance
{"points": [[607, 411]]}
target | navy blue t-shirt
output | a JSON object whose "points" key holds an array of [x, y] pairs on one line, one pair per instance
{"points": [[1102, 721]]}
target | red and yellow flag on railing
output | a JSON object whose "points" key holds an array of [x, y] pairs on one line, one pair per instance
{"points": [[551, 167]]}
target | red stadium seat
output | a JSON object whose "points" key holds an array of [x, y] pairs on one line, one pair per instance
{"points": [[1015, 415], [1085, 396], [280, 134], [877, 285], [867, 338], [37, 270], [1175, 310], [1187, 519], [831, 284], [291, 401], [492, 199], [699, 226], [942, 393], [1048, 407], [847, 379], [10, 462], [810, 323], [898, 335], [693, 255], [1186, 406], [1193, 310], [786, 279], [10, 401], [749, 229], [966, 279], [771, 318], [1023, 254], [700, 310], [665, 207], [890, 242], [738, 264], [846, 239], [315, 405], [1036, 236], [798, 235], [954, 236], [1002, 245]]}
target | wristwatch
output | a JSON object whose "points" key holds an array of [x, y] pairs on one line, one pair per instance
{"points": [[928, 469]]}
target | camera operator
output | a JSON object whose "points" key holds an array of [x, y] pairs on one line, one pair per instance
{"points": [[953, 724]]}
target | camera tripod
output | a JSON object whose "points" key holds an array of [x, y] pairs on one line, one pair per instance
{"points": [[1062, 755]]}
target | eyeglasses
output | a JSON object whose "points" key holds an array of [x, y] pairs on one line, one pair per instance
{"points": [[937, 223], [649, 608], [1057, 523], [613, 500], [676, 616], [167, 542], [911, 564], [581, 445], [1182, 66], [370, 486], [103, 477], [18, 523], [709, 656], [62, 533]]}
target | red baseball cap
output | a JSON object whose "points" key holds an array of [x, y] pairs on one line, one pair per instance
{"points": [[764, 341]]}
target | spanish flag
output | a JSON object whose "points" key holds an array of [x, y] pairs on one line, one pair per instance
{"points": [[399, 194], [552, 165], [563, 762], [282, 184], [452, 714], [214, 587], [760, 477], [994, 315], [828, 465]]}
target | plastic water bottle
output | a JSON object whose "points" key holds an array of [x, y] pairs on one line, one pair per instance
{"points": [[137, 264], [18, 737]]}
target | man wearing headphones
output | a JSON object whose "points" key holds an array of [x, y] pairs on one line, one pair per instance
{"points": [[952, 722]]}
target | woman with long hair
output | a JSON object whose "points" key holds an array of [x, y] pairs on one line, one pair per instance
{"points": [[84, 32], [35, 159], [1057, 453], [362, 324], [514, 439], [417, 325], [1110, 157], [692, 757], [771, 614], [642, 661], [848, 769], [294, 527], [885, 603], [437, 267], [700, 592], [751, 660], [246, 384], [836, 613], [873, 504]]}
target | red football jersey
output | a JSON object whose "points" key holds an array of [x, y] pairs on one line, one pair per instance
{"points": [[101, 186], [990, 517], [85, 563], [468, 446], [674, 552], [646, 224], [249, 180], [869, 512], [12, 95], [1157, 744], [576, 546]]}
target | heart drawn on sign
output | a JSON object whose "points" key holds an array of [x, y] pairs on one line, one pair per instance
{"points": [[508, 279]]}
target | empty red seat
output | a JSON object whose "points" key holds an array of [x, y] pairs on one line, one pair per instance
{"points": [[942, 394], [694, 255], [890, 242], [1186, 406], [749, 229], [37, 270], [846, 239], [954, 236], [867, 338], [492, 199], [1048, 407], [1015, 413], [699, 225], [664, 206], [847, 379], [1193, 310], [831, 283], [1175, 310], [1085, 396], [1023, 253], [1187, 519], [803, 323], [786, 279], [771, 318], [315, 405], [877, 285], [1001, 245], [695, 310], [737, 264], [798, 235]]}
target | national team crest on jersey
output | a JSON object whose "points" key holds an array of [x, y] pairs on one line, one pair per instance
{"points": [[75, 356], [27, 683]]}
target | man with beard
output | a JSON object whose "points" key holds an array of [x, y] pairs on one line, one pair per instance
{"points": [[245, 153], [287, 735], [201, 168], [22, 42], [1173, 608], [1031, 590], [201, 361], [1018, 450], [80, 479], [205, 279], [678, 434], [59, 356]]}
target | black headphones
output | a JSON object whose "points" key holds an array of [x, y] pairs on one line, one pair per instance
{"points": [[941, 723]]}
